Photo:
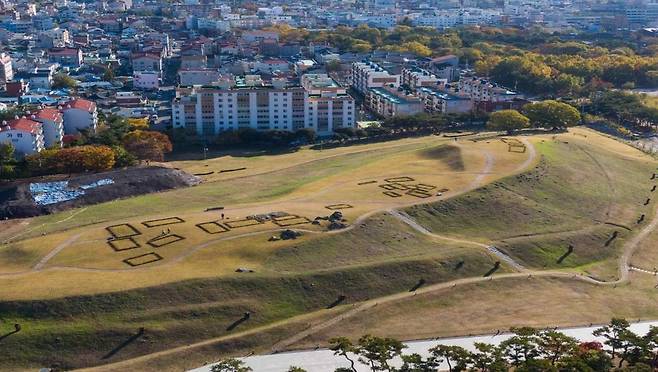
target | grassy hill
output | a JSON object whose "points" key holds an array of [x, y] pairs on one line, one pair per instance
{"points": [[83, 330], [581, 191], [579, 194]]}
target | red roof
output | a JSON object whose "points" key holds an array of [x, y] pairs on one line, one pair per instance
{"points": [[23, 124], [82, 104], [48, 114]]}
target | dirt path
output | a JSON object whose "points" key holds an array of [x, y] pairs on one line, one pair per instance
{"points": [[54, 252], [489, 248], [628, 249]]}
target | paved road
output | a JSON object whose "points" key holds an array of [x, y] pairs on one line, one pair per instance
{"points": [[323, 360]]}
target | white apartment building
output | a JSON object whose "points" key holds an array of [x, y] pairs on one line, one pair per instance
{"points": [[436, 101], [414, 78], [249, 102], [6, 70], [200, 76], [146, 80], [52, 122], [388, 102], [481, 90], [80, 114], [328, 105], [438, 19], [26, 135], [366, 75]]}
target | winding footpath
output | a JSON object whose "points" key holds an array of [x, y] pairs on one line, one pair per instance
{"points": [[307, 357]]}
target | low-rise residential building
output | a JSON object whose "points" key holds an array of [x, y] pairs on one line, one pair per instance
{"points": [[414, 78], [80, 114], [445, 67], [24, 134], [129, 99], [482, 90], [55, 38], [147, 62], [258, 36], [441, 102], [71, 57], [6, 69], [194, 62], [366, 75], [206, 76], [17, 88], [390, 101], [52, 123], [39, 78], [146, 80]]}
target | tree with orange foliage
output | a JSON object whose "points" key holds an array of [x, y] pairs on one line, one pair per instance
{"points": [[72, 160], [147, 145]]}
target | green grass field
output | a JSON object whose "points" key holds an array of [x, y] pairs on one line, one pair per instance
{"points": [[84, 302]]}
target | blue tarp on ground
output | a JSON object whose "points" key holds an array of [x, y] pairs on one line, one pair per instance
{"points": [[46, 193]]}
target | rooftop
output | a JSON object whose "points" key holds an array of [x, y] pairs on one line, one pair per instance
{"points": [[22, 124]]}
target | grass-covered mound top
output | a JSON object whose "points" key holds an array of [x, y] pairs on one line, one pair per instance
{"points": [[579, 194]]}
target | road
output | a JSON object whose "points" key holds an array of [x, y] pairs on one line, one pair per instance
{"points": [[323, 360]]}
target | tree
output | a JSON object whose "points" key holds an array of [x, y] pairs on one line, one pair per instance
{"points": [[296, 369], [147, 145], [122, 157], [521, 349], [62, 80], [456, 357], [138, 123], [344, 347], [552, 114], [72, 160], [230, 365], [618, 337], [7, 160], [377, 352], [554, 345], [507, 120], [527, 73], [305, 134], [589, 356], [488, 358]]}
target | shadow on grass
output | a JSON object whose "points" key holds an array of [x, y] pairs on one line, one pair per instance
{"points": [[8, 334], [337, 302], [566, 254], [611, 239], [495, 268], [233, 325], [417, 285], [129, 341]]}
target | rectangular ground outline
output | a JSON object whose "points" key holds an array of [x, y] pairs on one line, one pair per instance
{"points": [[212, 227], [113, 230], [142, 259], [164, 240], [334, 207], [116, 244], [236, 224], [163, 222], [296, 220]]}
